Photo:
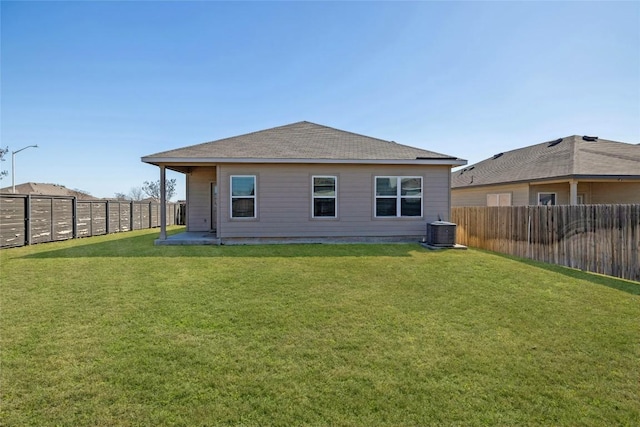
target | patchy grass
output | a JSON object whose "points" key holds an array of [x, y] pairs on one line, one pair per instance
{"points": [[113, 331]]}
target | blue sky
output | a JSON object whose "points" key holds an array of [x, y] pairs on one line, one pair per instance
{"points": [[97, 85]]}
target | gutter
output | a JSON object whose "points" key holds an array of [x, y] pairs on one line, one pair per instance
{"points": [[551, 180], [195, 161]]}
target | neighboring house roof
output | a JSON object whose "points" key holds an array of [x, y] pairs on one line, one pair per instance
{"points": [[300, 142], [571, 157], [36, 188]]}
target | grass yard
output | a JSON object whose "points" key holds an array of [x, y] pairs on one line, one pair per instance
{"points": [[113, 331]]}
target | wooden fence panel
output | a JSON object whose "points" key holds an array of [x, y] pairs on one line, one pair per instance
{"points": [[12, 221], [172, 214], [598, 238], [125, 216], [98, 218], [62, 228], [113, 210], [154, 215], [41, 221], [83, 219], [28, 219], [136, 216], [144, 216]]}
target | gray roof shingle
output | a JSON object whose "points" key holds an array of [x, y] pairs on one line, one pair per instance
{"points": [[301, 140], [572, 156], [37, 188]]}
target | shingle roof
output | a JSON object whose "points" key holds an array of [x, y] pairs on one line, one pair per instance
{"points": [[573, 156], [37, 188], [302, 141]]}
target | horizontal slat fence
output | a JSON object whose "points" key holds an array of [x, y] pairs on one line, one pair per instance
{"points": [[598, 238], [29, 219]]}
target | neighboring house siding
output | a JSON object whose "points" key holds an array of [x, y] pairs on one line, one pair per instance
{"points": [[284, 201], [592, 192], [561, 190], [478, 196], [199, 198], [615, 192], [525, 194]]}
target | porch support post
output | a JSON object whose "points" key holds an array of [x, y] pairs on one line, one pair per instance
{"points": [[163, 203], [573, 192]]}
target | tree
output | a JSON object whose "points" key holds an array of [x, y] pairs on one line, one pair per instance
{"points": [[152, 188], [79, 193], [136, 194], [120, 196], [3, 152]]}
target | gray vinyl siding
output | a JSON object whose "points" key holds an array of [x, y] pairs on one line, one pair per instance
{"points": [[199, 198], [478, 196], [284, 201]]}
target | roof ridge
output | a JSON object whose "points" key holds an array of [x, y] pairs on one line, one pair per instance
{"points": [[307, 122], [352, 133], [576, 151], [377, 139], [252, 133]]}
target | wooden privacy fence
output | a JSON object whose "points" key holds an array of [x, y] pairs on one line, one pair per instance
{"points": [[29, 219], [598, 238]]}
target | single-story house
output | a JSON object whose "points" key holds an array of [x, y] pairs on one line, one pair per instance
{"points": [[567, 171], [43, 189], [309, 181]]}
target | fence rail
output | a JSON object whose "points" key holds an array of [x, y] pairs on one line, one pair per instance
{"points": [[29, 219], [598, 238]]}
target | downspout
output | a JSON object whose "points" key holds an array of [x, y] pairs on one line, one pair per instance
{"points": [[449, 194]]}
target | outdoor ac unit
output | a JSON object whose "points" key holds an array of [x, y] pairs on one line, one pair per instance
{"points": [[441, 233]]}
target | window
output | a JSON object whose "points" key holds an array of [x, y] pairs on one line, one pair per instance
{"points": [[324, 196], [547, 199], [243, 196], [398, 196], [499, 199]]}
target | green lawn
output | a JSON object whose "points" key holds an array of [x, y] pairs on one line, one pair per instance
{"points": [[113, 331]]}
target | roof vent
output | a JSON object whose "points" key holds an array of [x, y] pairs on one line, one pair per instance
{"points": [[495, 156], [590, 138], [554, 143]]}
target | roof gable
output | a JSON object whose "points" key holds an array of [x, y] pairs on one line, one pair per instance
{"points": [[571, 156], [298, 141]]}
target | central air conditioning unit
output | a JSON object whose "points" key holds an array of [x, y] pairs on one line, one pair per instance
{"points": [[441, 233]]}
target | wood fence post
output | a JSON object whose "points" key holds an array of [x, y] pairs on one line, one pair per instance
{"points": [[74, 217], [27, 220], [107, 226], [90, 218]]}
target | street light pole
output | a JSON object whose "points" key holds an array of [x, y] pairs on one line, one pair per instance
{"points": [[13, 166]]}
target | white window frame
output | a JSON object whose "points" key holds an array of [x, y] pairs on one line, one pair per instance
{"points": [[398, 196], [314, 197], [254, 197], [502, 199], [555, 197]]}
